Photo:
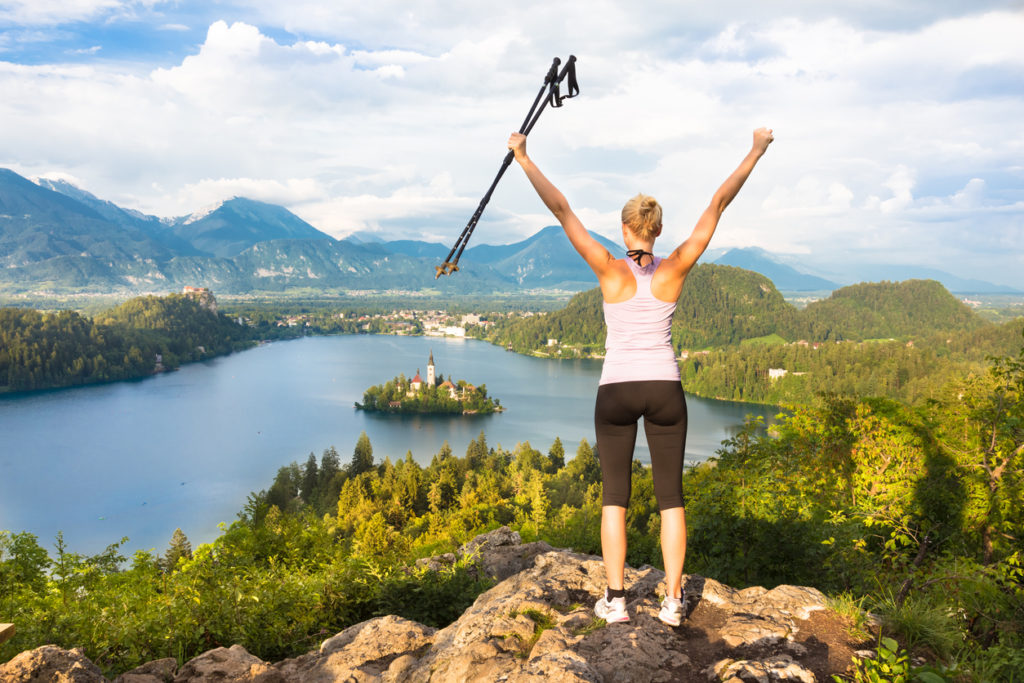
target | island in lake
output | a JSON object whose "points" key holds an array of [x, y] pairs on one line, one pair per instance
{"points": [[435, 395]]}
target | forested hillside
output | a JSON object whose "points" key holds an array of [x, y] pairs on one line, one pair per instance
{"points": [[47, 350], [739, 340], [882, 310], [723, 305], [780, 374], [720, 305]]}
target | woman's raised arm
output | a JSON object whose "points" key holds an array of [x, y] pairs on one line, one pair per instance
{"points": [[596, 256], [687, 253]]}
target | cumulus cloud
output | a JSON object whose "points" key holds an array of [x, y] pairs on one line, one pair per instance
{"points": [[901, 182]]}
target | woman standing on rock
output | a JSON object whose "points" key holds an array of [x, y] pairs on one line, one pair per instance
{"points": [[640, 376]]}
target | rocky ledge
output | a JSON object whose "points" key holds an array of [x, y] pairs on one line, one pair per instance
{"points": [[537, 624]]}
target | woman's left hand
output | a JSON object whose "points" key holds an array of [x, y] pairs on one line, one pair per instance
{"points": [[517, 143]]}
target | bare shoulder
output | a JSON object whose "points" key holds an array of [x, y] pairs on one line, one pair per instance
{"points": [[668, 279], [617, 282]]}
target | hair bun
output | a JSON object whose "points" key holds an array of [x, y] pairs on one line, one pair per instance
{"points": [[642, 214]]}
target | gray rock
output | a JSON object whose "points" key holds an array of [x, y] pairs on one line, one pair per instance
{"points": [[754, 629], [781, 668], [501, 562], [367, 651], [759, 616], [157, 671], [399, 668], [502, 536], [437, 562], [499, 554], [51, 664], [224, 664]]}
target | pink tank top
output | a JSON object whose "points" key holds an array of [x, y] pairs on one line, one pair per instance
{"points": [[639, 342]]}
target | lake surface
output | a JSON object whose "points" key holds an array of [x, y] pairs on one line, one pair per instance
{"points": [[184, 449]]}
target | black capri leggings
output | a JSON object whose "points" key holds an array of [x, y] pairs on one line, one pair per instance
{"points": [[619, 406]]}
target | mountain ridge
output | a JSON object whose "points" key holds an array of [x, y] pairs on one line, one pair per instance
{"points": [[240, 223], [57, 236], [785, 277]]}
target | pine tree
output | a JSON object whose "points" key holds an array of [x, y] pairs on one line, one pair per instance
{"points": [[362, 456], [178, 548], [585, 467], [556, 456], [476, 451], [310, 480], [330, 465]]}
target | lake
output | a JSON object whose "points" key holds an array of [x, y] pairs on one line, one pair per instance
{"points": [[184, 449]]}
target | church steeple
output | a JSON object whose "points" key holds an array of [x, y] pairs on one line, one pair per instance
{"points": [[431, 378]]}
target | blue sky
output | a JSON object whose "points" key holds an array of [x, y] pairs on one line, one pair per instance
{"points": [[898, 135]]}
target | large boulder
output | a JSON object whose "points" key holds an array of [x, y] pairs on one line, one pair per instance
{"points": [[222, 665], [380, 649], [499, 554], [51, 664], [157, 671]]}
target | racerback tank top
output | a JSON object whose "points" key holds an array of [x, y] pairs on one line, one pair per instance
{"points": [[639, 342]]}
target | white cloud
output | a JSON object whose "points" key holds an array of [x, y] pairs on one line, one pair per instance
{"points": [[49, 12], [65, 177], [35, 12], [901, 182], [810, 197], [287, 192]]}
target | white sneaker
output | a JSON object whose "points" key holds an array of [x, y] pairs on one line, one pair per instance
{"points": [[611, 611], [672, 611]]}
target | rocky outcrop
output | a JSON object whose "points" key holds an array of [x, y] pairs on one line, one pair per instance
{"points": [[158, 671], [381, 649], [52, 664], [498, 554], [538, 625]]}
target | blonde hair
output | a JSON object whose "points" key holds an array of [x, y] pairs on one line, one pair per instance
{"points": [[642, 215]]}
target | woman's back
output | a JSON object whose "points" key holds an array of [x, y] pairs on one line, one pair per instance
{"points": [[639, 342]]}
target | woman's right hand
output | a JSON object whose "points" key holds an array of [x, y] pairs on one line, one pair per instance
{"points": [[762, 138], [517, 143]]}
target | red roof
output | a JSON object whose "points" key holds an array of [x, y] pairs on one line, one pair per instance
{"points": [[417, 378]]}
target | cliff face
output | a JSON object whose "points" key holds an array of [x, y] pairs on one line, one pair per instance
{"points": [[537, 624]]}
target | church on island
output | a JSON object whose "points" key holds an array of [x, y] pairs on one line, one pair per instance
{"points": [[401, 395], [417, 382]]}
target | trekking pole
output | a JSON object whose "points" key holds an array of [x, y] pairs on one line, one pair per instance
{"points": [[551, 84]]}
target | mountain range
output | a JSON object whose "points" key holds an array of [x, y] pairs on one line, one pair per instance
{"points": [[786, 278], [56, 237]]}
